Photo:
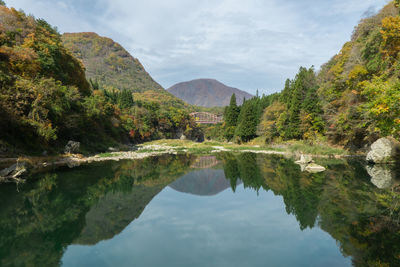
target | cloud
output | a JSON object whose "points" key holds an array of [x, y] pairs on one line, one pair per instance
{"points": [[246, 44]]}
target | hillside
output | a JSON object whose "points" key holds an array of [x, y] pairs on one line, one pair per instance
{"points": [[46, 100], [207, 93], [109, 63], [354, 99], [110, 66], [42, 86]]}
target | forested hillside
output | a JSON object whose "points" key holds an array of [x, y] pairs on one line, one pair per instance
{"points": [[355, 97], [46, 100], [111, 67]]}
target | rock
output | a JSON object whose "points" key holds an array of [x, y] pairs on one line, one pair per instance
{"points": [[72, 147], [315, 168], [381, 176], [112, 149], [183, 137], [305, 159], [72, 163], [14, 171], [384, 151]]}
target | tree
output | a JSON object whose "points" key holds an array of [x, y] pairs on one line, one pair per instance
{"points": [[248, 120], [125, 99], [2, 3], [303, 109], [231, 115]]}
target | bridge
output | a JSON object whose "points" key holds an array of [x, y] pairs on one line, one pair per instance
{"points": [[205, 162], [206, 118]]}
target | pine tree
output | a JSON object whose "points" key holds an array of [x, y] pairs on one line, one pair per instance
{"points": [[125, 99], [302, 103], [248, 120], [232, 112], [231, 115]]}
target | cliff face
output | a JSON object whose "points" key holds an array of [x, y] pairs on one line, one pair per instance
{"points": [[207, 93]]}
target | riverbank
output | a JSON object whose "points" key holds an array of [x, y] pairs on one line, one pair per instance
{"points": [[18, 167]]}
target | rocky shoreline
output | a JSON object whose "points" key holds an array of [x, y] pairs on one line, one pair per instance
{"points": [[16, 169], [21, 167]]}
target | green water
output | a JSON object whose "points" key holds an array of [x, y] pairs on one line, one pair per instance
{"points": [[232, 210]]}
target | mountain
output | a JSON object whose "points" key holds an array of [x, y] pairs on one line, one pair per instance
{"points": [[207, 93], [46, 99], [110, 66], [109, 63]]}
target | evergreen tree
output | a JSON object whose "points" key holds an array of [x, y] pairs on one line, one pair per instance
{"points": [[303, 109], [95, 84], [231, 115], [125, 99], [248, 120]]}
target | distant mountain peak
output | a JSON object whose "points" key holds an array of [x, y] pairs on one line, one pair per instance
{"points": [[207, 93]]}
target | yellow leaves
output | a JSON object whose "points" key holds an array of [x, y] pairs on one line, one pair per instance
{"points": [[341, 59], [358, 73], [391, 36], [379, 109]]}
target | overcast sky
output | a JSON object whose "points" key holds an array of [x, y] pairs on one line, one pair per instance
{"points": [[248, 44]]}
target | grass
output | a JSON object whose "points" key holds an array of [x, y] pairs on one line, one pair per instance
{"points": [[255, 145], [109, 155], [314, 149]]}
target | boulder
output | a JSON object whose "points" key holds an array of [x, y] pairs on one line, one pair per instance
{"points": [[14, 171], [384, 151], [381, 176], [113, 149], [314, 168], [72, 147], [305, 159]]}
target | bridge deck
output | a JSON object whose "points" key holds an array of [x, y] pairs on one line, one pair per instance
{"points": [[206, 118]]}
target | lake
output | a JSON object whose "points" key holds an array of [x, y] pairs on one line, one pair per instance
{"points": [[184, 210]]}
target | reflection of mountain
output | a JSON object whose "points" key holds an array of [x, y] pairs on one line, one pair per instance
{"points": [[206, 182], [114, 212], [84, 205], [205, 162]]}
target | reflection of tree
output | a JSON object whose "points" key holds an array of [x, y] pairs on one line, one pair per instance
{"points": [[244, 167], [302, 193], [363, 219], [231, 169], [44, 217]]}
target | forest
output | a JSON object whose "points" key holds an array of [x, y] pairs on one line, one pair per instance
{"points": [[353, 100], [55, 88], [46, 98]]}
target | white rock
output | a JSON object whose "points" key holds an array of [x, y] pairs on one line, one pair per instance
{"points": [[385, 150], [305, 159]]}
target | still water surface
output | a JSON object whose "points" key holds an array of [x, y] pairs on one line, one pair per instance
{"points": [[229, 210]]}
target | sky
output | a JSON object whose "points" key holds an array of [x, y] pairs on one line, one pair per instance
{"points": [[251, 45]]}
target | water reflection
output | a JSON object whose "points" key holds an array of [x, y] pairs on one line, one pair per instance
{"points": [[208, 182], [96, 203]]}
